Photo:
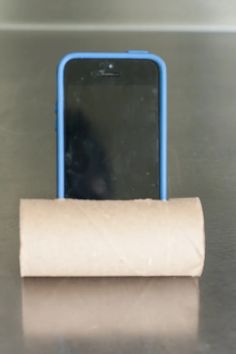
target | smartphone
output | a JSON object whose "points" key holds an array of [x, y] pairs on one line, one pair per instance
{"points": [[111, 126]]}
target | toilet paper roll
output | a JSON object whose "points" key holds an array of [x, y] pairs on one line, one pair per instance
{"points": [[111, 238]]}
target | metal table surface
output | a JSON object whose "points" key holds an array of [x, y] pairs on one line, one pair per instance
{"points": [[121, 315]]}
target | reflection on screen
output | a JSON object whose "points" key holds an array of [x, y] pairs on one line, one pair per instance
{"points": [[111, 131]]}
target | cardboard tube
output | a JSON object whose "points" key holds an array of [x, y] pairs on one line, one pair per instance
{"points": [[103, 307], [111, 238]]}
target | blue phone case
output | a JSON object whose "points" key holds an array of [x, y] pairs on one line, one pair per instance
{"points": [[131, 54]]}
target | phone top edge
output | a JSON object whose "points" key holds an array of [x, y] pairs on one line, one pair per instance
{"points": [[131, 54]]}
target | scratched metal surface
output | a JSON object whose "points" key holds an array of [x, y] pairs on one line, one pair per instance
{"points": [[122, 316]]}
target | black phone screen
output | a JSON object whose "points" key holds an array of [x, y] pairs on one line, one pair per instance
{"points": [[111, 125]]}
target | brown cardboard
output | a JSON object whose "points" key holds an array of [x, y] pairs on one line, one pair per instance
{"points": [[111, 238], [103, 307]]}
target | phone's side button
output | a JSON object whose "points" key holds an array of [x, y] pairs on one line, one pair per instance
{"points": [[138, 51]]}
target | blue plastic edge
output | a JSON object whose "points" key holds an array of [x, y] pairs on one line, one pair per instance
{"points": [[163, 111]]}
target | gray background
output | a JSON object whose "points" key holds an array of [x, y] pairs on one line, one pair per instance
{"points": [[124, 12], [202, 125]]}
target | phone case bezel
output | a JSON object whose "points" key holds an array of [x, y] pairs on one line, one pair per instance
{"points": [[163, 187]]}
